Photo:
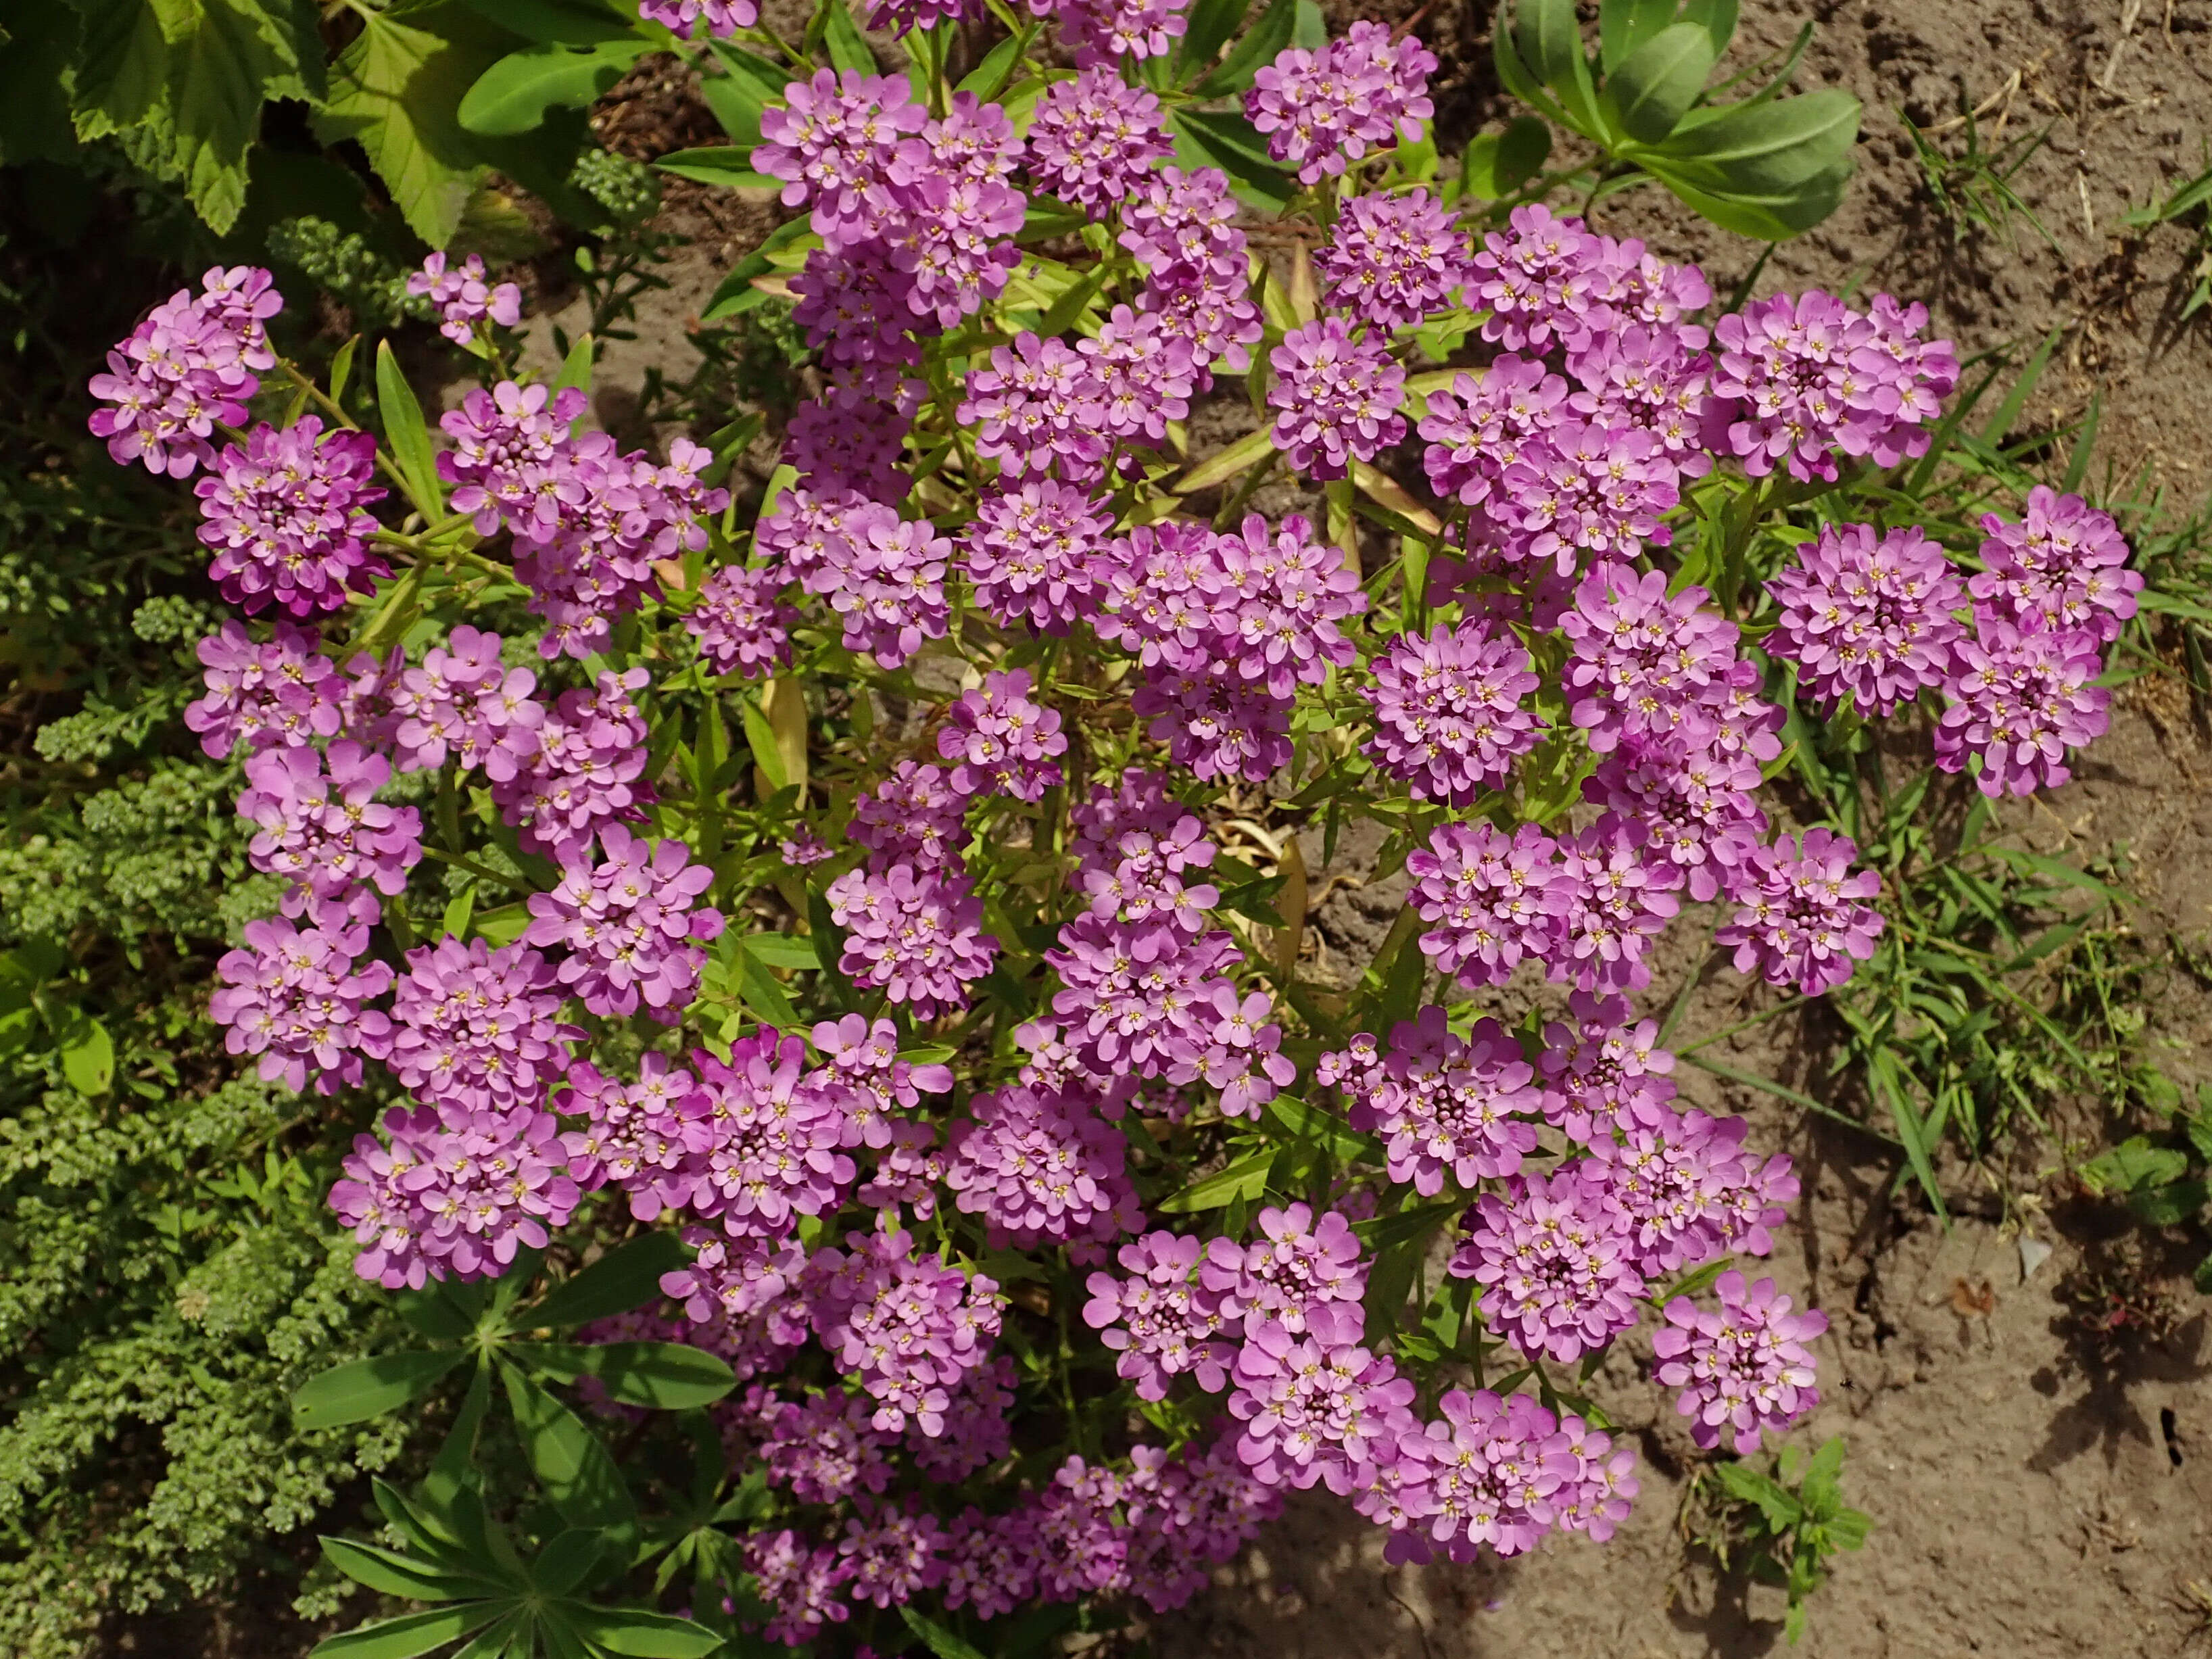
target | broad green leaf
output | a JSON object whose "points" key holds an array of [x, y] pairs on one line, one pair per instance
{"points": [[1262, 44], [1774, 218], [88, 1059], [405, 1636], [1715, 17], [1624, 25], [1310, 1122], [576, 367], [2133, 1166], [397, 90], [1656, 83], [34, 86], [1761, 150], [638, 1634], [1495, 164], [1211, 24], [514, 94], [362, 1388], [182, 82], [561, 22], [990, 76], [786, 950], [409, 438], [941, 1642], [1246, 1178], [395, 1574], [626, 1277], [1550, 39], [571, 1463]]}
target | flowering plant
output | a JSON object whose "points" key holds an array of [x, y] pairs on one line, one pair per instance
{"points": [[850, 891]]}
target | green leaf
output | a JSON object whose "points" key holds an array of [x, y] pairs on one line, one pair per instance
{"points": [[626, 1277], [2134, 1166], [1260, 47], [362, 1388], [760, 738], [723, 166], [1549, 37], [1624, 25], [407, 1635], [990, 76], [1309, 1123], [1247, 452], [394, 1574], [576, 367], [514, 94], [658, 1376], [404, 430], [938, 1640], [1246, 1178], [88, 1059], [567, 1561], [638, 1634], [1227, 140], [561, 22], [183, 81], [1210, 25], [1656, 83], [2171, 1205], [2201, 1278], [397, 90], [1764, 151], [1495, 164], [571, 1463], [34, 86], [848, 49], [740, 96], [1715, 17], [787, 950]]}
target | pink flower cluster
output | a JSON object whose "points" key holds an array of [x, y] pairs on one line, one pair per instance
{"points": [[465, 302], [285, 518], [1323, 109], [191, 366], [631, 925]]}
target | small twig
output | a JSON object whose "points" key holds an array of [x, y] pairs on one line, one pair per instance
{"points": [[1419, 1629]]}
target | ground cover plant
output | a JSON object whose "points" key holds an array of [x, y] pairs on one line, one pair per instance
{"points": [[1021, 1212]]}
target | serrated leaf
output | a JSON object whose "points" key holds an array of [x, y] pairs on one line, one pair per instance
{"points": [[1657, 82], [397, 90], [514, 94], [362, 1388]]}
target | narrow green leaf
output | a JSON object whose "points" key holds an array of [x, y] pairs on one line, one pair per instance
{"points": [[1246, 1178], [626, 1277], [739, 97], [636, 1633], [787, 950], [1624, 25], [449, 1470], [567, 1561], [847, 49], [2015, 400], [938, 1640], [342, 369], [658, 1376], [1310, 1122], [571, 1463], [1211, 24], [394, 1574], [1262, 44], [1247, 452], [362, 1388], [990, 76], [576, 367], [409, 438], [1549, 36], [405, 1636], [1228, 140], [760, 737]]}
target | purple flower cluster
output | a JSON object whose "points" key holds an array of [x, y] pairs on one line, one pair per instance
{"points": [[1093, 136], [2062, 569], [1743, 1368], [465, 302], [1446, 1108], [1160, 1320], [1001, 743], [191, 366], [297, 998], [1798, 920], [1038, 554], [455, 1194], [477, 1029], [2018, 700], [1867, 617], [1556, 1261], [910, 1331], [589, 523], [283, 694], [883, 575], [774, 1136], [913, 932], [325, 833], [560, 776], [1040, 1165], [742, 622], [693, 18], [1449, 719], [284, 516], [1321, 110], [631, 925], [1392, 260], [1336, 397], [1798, 378]]}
